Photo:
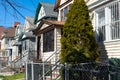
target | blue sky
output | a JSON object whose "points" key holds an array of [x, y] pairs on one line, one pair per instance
{"points": [[26, 7]]}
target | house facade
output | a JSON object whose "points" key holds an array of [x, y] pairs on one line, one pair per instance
{"points": [[28, 40], [48, 31], [106, 22], [6, 43], [24, 43], [105, 16]]}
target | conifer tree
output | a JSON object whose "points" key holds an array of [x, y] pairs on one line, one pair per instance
{"points": [[78, 41]]}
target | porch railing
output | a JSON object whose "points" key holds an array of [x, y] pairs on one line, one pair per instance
{"points": [[48, 69], [27, 56]]}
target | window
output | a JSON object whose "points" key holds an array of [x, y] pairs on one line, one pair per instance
{"points": [[24, 47], [101, 25], [115, 23], [48, 41], [64, 12], [107, 22]]}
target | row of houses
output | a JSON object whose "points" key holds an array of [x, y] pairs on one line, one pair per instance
{"points": [[39, 37]]}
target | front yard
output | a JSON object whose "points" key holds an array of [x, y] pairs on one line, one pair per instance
{"points": [[13, 77]]}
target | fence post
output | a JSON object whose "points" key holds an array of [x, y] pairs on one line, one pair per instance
{"points": [[43, 71], [65, 71], [32, 70], [26, 71]]}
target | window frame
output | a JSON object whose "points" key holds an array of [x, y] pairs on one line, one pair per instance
{"points": [[48, 41]]}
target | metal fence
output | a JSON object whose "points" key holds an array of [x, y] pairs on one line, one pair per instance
{"points": [[37, 71], [83, 71], [90, 71]]}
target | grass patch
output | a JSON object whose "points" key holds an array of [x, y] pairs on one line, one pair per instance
{"points": [[13, 77]]}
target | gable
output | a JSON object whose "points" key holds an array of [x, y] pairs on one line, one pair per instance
{"points": [[45, 11], [44, 26], [41, 13], [37, 13], [63, 1]]}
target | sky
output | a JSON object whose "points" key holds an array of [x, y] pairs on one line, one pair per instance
{"points": [[25, 7]]}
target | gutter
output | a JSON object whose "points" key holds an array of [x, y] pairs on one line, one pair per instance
{"points": [[97, 4]]}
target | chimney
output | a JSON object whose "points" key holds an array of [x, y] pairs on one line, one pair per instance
{"points": [[15, 24]]}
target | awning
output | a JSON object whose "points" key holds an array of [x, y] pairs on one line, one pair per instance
{"points": [[17, 44], [27, 35]]}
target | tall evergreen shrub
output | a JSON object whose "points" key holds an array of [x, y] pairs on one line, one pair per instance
{"points": [[78, 41]]}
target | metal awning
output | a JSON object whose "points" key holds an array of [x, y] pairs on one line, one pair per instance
{"points": [[17, 44], [27, 35]]}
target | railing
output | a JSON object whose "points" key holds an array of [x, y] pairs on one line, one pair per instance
{"points": [[27, 56], [53, 57], [4, 59], [90, 71], [48, 69]]}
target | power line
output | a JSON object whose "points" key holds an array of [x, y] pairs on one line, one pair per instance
{"points": [[19, 12], [33, 3]]}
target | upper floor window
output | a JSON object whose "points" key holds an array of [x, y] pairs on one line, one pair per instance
{"points": [[64, 12], [25, 45], [8, 41]]}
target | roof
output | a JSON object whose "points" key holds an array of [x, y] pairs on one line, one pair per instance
{"points": [[29, 23], [1, 31], [51, 24], [57, 5], [54, 22], [9, 32], [30, 19], [48, 8]]}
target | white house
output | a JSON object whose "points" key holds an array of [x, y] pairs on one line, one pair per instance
{"points": [[48, 28], [105, 16]]}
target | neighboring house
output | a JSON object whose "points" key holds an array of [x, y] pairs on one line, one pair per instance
{"points": [[105, 16], [28, 40], [24, 43], [17, 43], [6, 43], [46, 30], [3, 57]]}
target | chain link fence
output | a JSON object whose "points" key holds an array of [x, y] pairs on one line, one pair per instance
{"points": [[90, 71], [83, 71], [37, 71]]}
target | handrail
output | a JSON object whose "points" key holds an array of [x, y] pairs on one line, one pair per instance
{"points": [[57, 51], [53, 69], [22, 56]]}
